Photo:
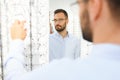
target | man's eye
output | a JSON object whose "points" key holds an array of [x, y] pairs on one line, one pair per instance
{"points": [[60, 19], [55, 20]]}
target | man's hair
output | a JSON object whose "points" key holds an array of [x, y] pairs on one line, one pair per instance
{"points": [[61, 11], [114, 8]]}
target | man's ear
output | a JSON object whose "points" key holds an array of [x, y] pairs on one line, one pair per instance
{"points": [[67, 21], [95, 8]]}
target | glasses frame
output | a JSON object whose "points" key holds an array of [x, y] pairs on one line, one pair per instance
{"points": [[59, 20], [78, 2]]}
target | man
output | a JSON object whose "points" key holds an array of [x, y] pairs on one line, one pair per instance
{"points": [[100, 20], [62, 43]]}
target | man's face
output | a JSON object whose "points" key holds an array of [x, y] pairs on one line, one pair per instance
{"points": [[85, 20], [60, 22]]}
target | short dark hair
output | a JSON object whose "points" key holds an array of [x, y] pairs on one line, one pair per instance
{"points": [[61, 11], [114, 8]]}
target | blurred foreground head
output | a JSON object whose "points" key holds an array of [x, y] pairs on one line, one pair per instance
{"points": [[100, 20]]}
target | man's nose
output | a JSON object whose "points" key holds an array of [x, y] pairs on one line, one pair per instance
{"points": [[57, 23]]}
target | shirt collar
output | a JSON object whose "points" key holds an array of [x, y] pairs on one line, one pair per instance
{"points": [[106, 51], [58, 35]]}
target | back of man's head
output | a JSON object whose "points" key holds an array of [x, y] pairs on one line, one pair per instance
{"points": [[114, 6]]}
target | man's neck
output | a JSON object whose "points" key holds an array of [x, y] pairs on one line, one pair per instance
{"points": [[109, 33], [63, 33]]}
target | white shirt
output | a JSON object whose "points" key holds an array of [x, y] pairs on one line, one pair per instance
{"points": [[102, 64], [59, 47]]}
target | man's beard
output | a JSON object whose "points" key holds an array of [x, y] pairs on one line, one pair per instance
{"points": [[86, 28], [62, 28]]}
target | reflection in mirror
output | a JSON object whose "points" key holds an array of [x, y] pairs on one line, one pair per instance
{"points": [[73, 26]]}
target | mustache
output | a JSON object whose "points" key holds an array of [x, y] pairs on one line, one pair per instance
{"points": [[58, 25]]}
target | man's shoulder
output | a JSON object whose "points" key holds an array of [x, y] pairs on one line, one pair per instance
{"points": [[73, 37], [51, 35], [75, 70]]}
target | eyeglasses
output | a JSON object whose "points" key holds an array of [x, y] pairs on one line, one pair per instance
{"points": [[59, 20], [78, 2]]}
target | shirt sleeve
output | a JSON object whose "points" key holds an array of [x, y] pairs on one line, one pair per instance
{"points": [[14, 64], [77, 50]]}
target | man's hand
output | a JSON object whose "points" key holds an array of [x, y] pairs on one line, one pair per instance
{"points": [[18, 31]]}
